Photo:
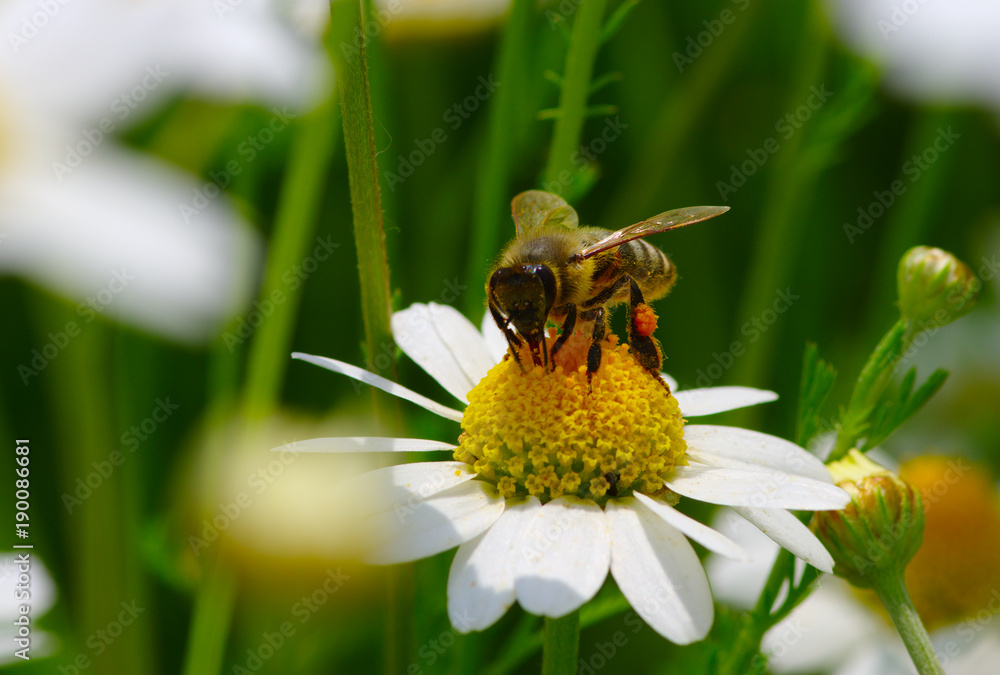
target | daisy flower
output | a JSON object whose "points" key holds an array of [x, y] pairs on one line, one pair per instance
{"points": [[953, 581], [555, 483]]}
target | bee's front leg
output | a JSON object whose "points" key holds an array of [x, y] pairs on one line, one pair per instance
{"points": [[513, 341], [641, 324], [594, 355], [569, 325]]}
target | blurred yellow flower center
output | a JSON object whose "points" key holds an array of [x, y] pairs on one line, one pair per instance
{"points": [[956, 573], [548, 434]]}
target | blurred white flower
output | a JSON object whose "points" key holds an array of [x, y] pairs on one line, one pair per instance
{"points": [[930, 50], [38, 594], [100, 224]]}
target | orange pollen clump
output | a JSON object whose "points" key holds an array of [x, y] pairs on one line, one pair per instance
{"points": [[645, 319]]}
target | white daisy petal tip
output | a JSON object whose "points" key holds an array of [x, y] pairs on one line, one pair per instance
{"points": [[713, 400], [711, 539], [563, 557]]}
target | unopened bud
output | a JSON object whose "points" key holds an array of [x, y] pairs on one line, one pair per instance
{"points": [[880, 530], [935, 287]]}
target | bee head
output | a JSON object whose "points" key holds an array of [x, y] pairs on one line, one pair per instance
{"points": [[524, 294]]}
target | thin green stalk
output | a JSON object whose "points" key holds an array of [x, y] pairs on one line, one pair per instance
{"points": [[493, 176], [562, 645], [891, 590], [103, 557], [348, 50], [213, 614], [362, 167], [295, 226], [585, 40], [779, 235], [874, 377]]}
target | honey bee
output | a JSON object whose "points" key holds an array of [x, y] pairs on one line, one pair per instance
{"points": [[556, 270]]}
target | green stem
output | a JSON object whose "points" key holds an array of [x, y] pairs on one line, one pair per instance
{"points": [[874, 377], [213, 613], [295, 225], [891, 590], [562, 644], [584, 43], [104, 559], [779, 233], [351, 66], [494, 168]]}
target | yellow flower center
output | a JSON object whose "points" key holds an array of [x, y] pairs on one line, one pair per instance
{"points": [[956, 572], [548, 433]]}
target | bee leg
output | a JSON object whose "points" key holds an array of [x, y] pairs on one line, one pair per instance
{"points": [[594, 355], [569, 325], [641, 323], [513, 341]]}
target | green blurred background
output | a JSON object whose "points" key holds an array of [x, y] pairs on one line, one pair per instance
{"points": [[677, 134]]}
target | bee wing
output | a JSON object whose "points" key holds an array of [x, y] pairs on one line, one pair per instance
{"points": [[661, 223], [534, 209]]}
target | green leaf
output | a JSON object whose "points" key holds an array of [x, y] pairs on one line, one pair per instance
{"points": [[818, 377], [617, 19]]}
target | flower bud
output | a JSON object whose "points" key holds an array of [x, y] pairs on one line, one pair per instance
{"points": [[935, 287], [879, 531]]}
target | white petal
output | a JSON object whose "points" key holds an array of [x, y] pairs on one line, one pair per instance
{"points": [[403, 484], [120, 61], [788, 531], [821, 632], [364, 444], [380, 382], [443, 342], [430, 526], [673, 384], [110, 236], [711, 400], [563, 557], [481, 581], [701, 533], [754, 447], [658, 572], [739, 584], [496, 343], [736, 487]]}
